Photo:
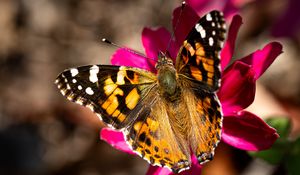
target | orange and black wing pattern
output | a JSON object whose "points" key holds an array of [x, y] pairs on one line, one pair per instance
{"points": [[199, 56], [112, 92]]}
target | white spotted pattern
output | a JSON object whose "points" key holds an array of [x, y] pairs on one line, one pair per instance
{"points": [[93, 74], [208, 17], [89, 91], [213, 32], [79, 87], [211, 41], [74, 72], [201, 30], [74, 80]]}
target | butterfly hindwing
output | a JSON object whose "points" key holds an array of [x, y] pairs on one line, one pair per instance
{"points": [[199, 57], [206, 133], [152, 136], [113, 92]]}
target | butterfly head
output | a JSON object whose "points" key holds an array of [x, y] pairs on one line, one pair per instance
{"points": [[163, 61]]}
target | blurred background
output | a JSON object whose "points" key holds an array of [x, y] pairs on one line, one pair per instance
{"points": [[43, 133]]}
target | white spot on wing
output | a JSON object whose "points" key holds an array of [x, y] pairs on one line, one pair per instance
{"points": [[213, 32], [200, 29], [93, 74], [74, 80], [89, 91], [208, 17], [213, 24], [74, 72], [211, 41], [79, 87]]}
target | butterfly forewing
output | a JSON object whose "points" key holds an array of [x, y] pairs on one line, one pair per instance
{"points": [[199, 56], [113, 92]]}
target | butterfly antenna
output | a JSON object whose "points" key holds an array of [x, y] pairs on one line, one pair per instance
{"points": [[127, 49], [176, 25]]}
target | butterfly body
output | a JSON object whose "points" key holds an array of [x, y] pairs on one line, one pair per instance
{"points": [[166, 116]]}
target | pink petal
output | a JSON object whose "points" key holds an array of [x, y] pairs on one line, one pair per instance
{"points": [[156, 40], [115, 139], [229, 45], [184, 23], [262, 59], [237, 87], [203, 6], [194, 170], [126, 57], [246, 131]]}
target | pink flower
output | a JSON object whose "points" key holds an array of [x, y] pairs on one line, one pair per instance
{"points": [[229, 7], [241, 129]]}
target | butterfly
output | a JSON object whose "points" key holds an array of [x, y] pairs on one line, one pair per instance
{"points": [[166, 116]]}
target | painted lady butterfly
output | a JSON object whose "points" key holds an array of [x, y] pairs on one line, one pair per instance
{"points": [[164, 116]]}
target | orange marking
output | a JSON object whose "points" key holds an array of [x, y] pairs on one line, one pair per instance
{"points": [[208, 68], [137, 126], [135, 79], [190, 48], [196, 73], [210, 74], [132, 98], [206, 102], [210, 82], [199, 50], [109, 86], [208, 61], [112, 106]]}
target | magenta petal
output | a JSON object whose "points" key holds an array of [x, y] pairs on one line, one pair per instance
{"points": [[186, 22], [194, 170], [262, 59], [246, 131], [156, 40], [115, 139], [124, 57], [237, 87], [229, 45]]}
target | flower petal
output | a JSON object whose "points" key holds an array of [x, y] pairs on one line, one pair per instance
{"points": [[127, 57], [156, 40], [194, 170], [184, 22], [237, 89], [246, 131], [203, 6], [262, 59], [229, 45], [115, 139]]}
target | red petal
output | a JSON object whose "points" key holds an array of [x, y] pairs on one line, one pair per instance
{"points": [[262, 59], [246, 131], [185, 22], [156, 40], [237, 87], [203, 6], [126, 57], [115, 139], [194, 170], [229, 45]]}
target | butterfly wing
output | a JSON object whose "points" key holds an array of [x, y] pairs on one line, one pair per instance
{"points": [[112, 92], [127, 98], [152, 136], [198, 66], [199, 57]]}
